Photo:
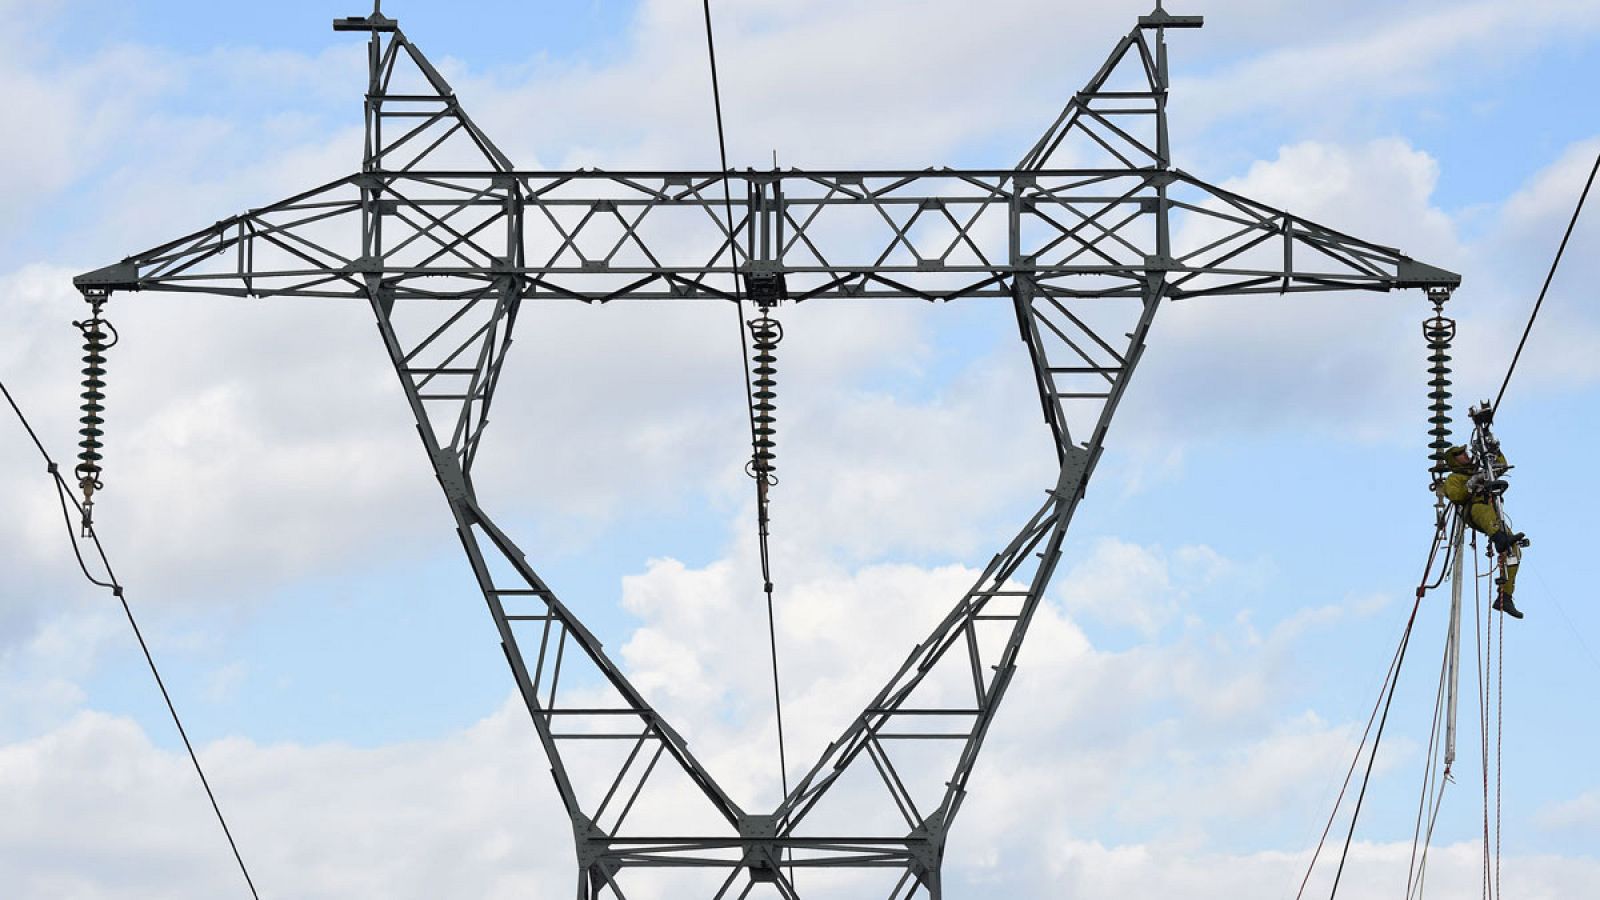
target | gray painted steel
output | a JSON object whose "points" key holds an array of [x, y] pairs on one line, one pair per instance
{"points": [[446, 240]]}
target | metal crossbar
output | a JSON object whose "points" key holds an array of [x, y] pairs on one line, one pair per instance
{"points": [[445, 240]]}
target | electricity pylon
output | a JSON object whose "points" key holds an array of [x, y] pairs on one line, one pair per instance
{"points": [[446, 240]]}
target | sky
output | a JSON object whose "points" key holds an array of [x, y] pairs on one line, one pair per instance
{"points": [[1233, 584]]}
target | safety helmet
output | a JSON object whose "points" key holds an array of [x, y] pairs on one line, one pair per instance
{"points": [[1453, 459]]}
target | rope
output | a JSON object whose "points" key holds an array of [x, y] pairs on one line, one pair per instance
{"points": [[1433, 820], [1547, 279], [1377, 740], [1500, 743], [1492, 867], [1386, 693], [116, 589], [1480, 642], [1486, 692], [744, 354], [1349, 773], [1432, 789]]}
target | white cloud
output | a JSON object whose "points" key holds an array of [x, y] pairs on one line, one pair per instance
{"points": [[268, 440], [1082, 868], [1526, 234], [1326, 363], [93, 810], [1332, 63], [1091, 743], [1129, 585], [1581, 813]]}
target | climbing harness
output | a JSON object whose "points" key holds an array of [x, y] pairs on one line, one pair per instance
{"points": [[1451, 525], [95, 331], [1506, 548]]}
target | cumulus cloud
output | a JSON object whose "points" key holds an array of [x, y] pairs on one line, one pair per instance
{"points": [[1094, 742], [1580, 813], [1306, 361], [1125, 584], [1327, 66], [1523, 240], [93, 809], [270, 439]]}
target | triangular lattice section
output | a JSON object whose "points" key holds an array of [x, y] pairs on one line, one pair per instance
{"points": [[446, 241], [1113, 123]]}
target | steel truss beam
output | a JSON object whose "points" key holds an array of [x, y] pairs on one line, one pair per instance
{"points": [[446, 239]]}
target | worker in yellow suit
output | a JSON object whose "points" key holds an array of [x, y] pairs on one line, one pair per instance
{"points": [[1474, 493]]}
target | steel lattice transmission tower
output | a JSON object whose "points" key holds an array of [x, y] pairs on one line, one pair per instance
{"points": [[446, 240]]}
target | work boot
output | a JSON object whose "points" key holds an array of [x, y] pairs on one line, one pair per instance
{"points": [[1502, 541], [1504, 604]]}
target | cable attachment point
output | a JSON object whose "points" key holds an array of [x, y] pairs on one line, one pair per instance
{"points": [[765, 333], [1439, 332], [98, 337]]}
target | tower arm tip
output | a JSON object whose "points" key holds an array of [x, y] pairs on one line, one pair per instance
{"points": [[1412, 274], [123, 276]]}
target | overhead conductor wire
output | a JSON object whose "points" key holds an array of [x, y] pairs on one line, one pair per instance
{"points": [[1491, 830], [1492, 874], [744, 354], [1554, 264], [65, 496]]}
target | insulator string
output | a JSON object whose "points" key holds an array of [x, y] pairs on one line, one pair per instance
{"points": [[95, 331], [1439, 332]]}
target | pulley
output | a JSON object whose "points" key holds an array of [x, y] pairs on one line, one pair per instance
{"points": [[96, 331]]}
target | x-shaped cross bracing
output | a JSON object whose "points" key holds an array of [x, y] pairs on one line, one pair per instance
{"points": [[446, 239]]}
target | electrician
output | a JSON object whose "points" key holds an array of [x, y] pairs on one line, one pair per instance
{"points": [[1475, 494]]}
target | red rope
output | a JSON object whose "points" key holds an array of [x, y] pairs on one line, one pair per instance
{"points": [[1480, 641], [1499, 746]]}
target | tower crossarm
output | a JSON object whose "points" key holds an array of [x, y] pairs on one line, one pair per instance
{"points": [[446, 240], [929, 234]]}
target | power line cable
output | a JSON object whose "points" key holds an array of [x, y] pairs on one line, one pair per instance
{"points": [[1391, 681], [1349, 774], [1386, 695], [1431, 796], [1547, 279], [64, 495], [744, 347]]}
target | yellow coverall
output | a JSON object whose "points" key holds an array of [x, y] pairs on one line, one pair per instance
{"points": [[1478, 507]]}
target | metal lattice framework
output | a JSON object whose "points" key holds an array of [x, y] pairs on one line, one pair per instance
{"points": [[446, 240]]}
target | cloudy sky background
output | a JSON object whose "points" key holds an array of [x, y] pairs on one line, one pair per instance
{"points": [[1234, 582]]}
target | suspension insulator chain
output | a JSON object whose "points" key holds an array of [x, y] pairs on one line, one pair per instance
{"points": [[1439, 332], [765, 333], [96, 332]]}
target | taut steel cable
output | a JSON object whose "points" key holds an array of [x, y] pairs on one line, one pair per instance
{"points": [[759, 472], [115, 587]]}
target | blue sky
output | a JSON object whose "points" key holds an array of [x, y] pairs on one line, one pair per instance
{"points": [[1234, 582]]}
